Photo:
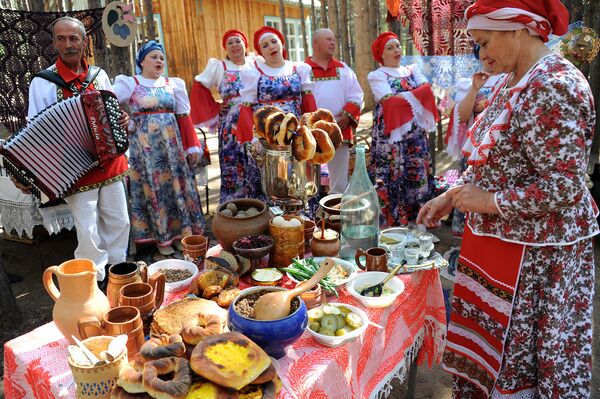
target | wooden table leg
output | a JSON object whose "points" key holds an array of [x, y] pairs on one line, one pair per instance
{"points": [[412, 379]]}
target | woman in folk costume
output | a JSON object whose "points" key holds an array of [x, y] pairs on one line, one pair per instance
{"points": [[274, 81], [405, 112], [163, 148], [207, 113], [521, 324], [471, 97]]}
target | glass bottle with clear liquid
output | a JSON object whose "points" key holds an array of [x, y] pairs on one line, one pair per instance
{"points": [[359, 210]]}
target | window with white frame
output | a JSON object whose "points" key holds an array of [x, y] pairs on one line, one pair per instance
{"points": [[296, 51]]}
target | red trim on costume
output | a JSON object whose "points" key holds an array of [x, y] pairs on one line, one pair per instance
{"points": [[353, 112], [493, 267], [243, 132], [329, 72], [308, 102], [396, 112], [189, 138], [203, 105]]}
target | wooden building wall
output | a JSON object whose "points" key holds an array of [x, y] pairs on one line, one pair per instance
{"points": [[191, 38]]}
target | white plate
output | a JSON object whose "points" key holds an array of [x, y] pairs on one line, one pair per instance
{"points": [[350, 267], [434, 261]]}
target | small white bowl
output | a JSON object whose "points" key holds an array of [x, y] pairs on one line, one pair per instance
{"points": [[367, 279], [334, 341], [175, 264]]}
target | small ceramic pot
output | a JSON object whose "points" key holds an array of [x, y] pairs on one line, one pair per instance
{"points": [[227, 229], [328, 246]]}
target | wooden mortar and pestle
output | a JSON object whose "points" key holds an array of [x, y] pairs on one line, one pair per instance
{"points": [[276, 305]]}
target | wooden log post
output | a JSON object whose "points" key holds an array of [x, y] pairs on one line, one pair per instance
{"points": [[303, 27]]}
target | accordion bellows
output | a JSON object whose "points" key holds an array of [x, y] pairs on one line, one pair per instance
{"points": [[65, 141]]}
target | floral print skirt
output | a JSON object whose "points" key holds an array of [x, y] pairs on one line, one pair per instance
{"points": [[405, 169], [548, 351]]}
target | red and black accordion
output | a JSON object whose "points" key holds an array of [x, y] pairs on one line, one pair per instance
{"points": [[65, 141]]}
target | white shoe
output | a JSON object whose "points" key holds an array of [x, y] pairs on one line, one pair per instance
{"points": [[166, 251], [178, 246]]}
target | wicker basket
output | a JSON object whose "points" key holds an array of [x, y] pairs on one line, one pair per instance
{"points": [[96, 382], [288, 242]]}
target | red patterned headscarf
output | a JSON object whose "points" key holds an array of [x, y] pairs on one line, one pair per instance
{"points": [[378, 45], [235, 32], [539, 17], [266, 30]]}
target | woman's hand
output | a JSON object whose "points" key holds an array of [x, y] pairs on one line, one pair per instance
{"points": [[470, 198], [435, 209], [478, 80], [192, 159]]}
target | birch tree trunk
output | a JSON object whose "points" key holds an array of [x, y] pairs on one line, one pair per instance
{"points": [[345, 37], [313, 13], [149, 20], [283, 23], [362, 47], [303, 27], [324, 14]]}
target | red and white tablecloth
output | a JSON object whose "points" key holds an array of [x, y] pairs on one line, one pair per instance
{"points": [[35, 364]]}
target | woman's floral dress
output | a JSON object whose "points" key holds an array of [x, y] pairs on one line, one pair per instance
{"points": [[164, 199], [239, 172], [537, 170], [403, 166]]}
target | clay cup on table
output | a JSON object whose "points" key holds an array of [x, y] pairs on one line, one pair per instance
{"points": [[121, 274], [194, 249], [376, 259], [146, 297], [117, 321]]}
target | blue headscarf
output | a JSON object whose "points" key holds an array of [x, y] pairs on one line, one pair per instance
{"points": [[143, 52]]}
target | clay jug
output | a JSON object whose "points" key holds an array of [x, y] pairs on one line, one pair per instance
{"points": [[227, 229], [79, 295], [121, 274]]}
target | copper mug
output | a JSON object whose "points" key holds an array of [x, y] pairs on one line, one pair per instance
{"points": [[117, 321], [121, 274], [376, 259]]}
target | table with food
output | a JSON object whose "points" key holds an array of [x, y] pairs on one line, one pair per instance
{"points": [[283, 307]]}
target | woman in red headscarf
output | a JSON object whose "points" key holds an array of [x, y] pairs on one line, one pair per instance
{"points": [[405, 112], [521, 324], [207, 113], [274, 81]]}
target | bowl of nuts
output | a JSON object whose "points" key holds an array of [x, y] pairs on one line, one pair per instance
{"points": [[238, 218], [179, 274]]}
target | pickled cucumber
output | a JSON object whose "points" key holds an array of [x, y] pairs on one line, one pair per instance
{"points": [[315, 314], [353, 320], [330, 309], [315, 326], [329, 322], [342, 331], [327, 331], [341, 321]]}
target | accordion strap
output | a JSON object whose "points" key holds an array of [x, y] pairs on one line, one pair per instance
{"points": [[55, 78]]}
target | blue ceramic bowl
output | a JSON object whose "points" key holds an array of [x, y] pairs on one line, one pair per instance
{"points": [[274, 336]]}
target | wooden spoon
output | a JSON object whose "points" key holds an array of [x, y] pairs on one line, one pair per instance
{"points": [[276, 305]]}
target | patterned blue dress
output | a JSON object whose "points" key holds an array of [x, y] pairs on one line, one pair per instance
{"points": [[404, 166], [238, 168], [164, 200]]}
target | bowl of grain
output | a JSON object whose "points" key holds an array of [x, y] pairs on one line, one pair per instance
{"points": [[179, 274]]}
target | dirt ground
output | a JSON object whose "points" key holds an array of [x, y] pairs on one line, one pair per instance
{"points": [[30, 260]]}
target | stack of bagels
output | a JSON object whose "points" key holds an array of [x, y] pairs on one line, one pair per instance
{"points": [[314, 138], [200, 362]]}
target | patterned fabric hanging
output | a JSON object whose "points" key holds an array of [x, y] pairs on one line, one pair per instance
{"points": [[438, 26], [26, 43]]}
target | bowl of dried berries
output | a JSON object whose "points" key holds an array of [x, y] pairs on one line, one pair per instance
{"points": [[253, 247], [179, 274]]}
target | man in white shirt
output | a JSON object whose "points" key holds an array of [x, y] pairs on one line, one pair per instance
{"points": [[97, 200], [336, 88]]}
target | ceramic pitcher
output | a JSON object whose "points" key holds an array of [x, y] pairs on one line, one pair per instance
{"points": [[79, 295], [121, 274]]}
